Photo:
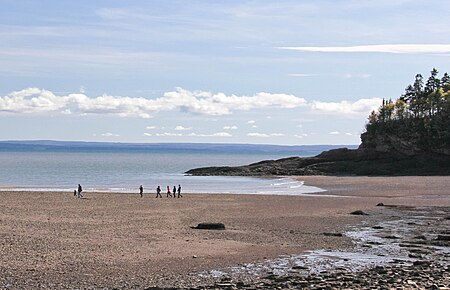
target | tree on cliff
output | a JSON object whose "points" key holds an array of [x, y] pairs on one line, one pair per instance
{"points": [[420, 117]]}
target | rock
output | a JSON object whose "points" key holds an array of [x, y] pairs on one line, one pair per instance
{"points": [[297, 267], [194, 256], [421, 263], [443, 238], [391, 237], [380, 204], [377, 227], [210, 226], [332, 234], [358, 212]]}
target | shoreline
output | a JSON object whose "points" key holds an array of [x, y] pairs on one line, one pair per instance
{"points": [[55, 238]]}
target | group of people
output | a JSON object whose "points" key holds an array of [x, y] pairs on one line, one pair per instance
{"points": [[176, 191], [173, 194]]}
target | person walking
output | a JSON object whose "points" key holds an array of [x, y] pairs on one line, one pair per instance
{"points": [[179, 191], [141, 190], [158, 192], [174, 191], [168, 192], [80, 189]]}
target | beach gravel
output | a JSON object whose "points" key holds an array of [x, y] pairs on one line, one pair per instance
{"points": [[53, 240]]}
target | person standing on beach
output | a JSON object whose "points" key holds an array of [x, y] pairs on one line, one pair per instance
{"points": [[158, 192], [174, 191], [141, 190], [168, 191], [79, 191], [179, 191]]}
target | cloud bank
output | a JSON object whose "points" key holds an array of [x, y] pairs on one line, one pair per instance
{"points": [[34, 100], [39, 101], [379, 48], [359, 107]]}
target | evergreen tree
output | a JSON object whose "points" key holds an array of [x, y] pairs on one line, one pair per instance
{"points": [[421, 114]]}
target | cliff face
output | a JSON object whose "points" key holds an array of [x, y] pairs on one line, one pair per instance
{"points": [[400, 145]]}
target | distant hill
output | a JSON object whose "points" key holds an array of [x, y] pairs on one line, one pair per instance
{"points": [[76, 146]]}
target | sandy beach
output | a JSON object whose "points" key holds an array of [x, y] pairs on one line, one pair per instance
{"points": [[54, 240]]}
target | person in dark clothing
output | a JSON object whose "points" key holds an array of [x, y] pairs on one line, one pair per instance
{"points": [[141, 190], [158, 192], [74, 192], [80, 189], [168, 191], [179, 191], [174, 191]]}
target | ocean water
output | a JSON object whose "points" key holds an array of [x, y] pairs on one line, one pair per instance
{"points": [[124, 171]]}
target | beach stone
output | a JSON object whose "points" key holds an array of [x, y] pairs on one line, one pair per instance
{"points": [[443, 238], [300, 267], [358, 212], [391, 237], [332, 234], [421, 263], [210, 226], [380, 204]]}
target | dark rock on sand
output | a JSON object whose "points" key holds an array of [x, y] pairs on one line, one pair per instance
{"points": [[443, 238], [333, 234], [380, 204], [358, 212], [210, 226]]}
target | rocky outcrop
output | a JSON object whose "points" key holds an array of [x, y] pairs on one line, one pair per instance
{"points": [[343, 161], [409, 145]]}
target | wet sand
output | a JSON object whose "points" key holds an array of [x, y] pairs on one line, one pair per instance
{"points": [[111, 240]]}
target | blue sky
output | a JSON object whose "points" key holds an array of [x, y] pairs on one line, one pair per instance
{"points": [[275, 72]]}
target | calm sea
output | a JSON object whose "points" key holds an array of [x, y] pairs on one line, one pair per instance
{"points": [[118, 171]]}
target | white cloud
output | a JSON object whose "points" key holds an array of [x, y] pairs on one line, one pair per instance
{"points": [[277, 134], [218, 134], [34, 100], [181, 128], [37, 101], [379, 48], [262, 135], [299, 126], [348, 134], [230, 127], [254, 126], [150, 127], [334, 133], [109, 134], [167, 134], [147, 134], [361, 106], [222, 134]]}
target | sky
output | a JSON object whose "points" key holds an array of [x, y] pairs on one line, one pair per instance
{"points": [[261, 72]]}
